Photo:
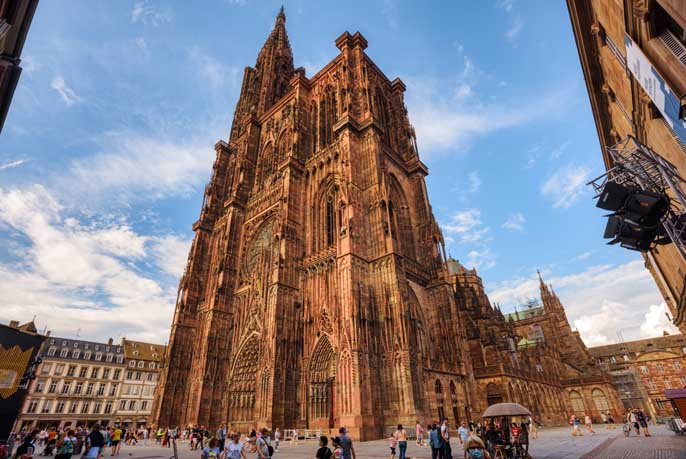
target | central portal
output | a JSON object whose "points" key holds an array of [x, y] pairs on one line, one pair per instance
{"points": [[321, 377]]}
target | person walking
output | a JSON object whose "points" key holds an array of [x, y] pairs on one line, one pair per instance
{"points": [[435, 442], [211, 451], [463, 434], [65, 445], [94, 441], [346, 444], [445, 437], [392, 444], [574, 421], [419, 432], [323, 452], [277, 438], [401, 437], [610, 420], [589, 424], [337, 448], [264, 449], [115, 440], [632, 417], [643, 422], [221, 436]]}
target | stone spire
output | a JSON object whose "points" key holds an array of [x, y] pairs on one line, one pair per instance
{"points": [[264, 84], [274, 65]]}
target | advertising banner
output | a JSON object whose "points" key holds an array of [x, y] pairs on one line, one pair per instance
{"points": [[661, 94]]}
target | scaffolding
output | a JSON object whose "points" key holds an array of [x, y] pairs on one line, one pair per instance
{"points": [[635, 165]]}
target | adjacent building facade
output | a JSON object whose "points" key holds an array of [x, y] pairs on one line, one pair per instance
{"points": [[643, 369], [80, 383], [15, 20], [633, 56], [317, 292], [532, 357], [143, 364]]}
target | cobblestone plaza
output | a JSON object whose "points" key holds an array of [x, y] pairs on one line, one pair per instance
{"points": [[553, 443]]}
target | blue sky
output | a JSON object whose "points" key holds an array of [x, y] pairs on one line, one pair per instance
{"points": [[108, 145]]}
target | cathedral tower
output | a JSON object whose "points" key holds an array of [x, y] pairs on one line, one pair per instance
{"points": [[316, 292]]}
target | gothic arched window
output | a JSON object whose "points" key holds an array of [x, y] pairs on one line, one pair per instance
{"points": [[330, 221], [328, 114]]}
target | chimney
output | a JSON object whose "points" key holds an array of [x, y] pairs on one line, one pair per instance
{"points": [[14, 323], [110, 341]]}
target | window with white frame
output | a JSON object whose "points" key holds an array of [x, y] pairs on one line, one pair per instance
{"points": [[98, 356], [76, 354], [46, 406], [677, 365], [77, 388], [64, 352], [144, 405], [40, 386], [109, 357], [152, 365], [65, 387], [89, 388], [120, 359], [122, 405], [132, 405], [83, 372], [644, 369], [105, 373], [59, 369], [116, 375], [33, 404], [101, 389], [651, 384], [71, 370], [53, 387], [95, 372], [113, 390], [59, 408], [84, 407], [132, 363], [96, 407], [87, 355], [141, 364], [45, 369], [73, 407], [108, 408], [51, 351]]}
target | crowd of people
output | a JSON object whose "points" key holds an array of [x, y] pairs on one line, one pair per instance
{"points": [[478, 440]]}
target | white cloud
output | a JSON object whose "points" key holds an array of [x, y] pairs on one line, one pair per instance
{"points": [[171, 252], [599, 301], [515, 29], [583, 256], [138, 169], [560, 149], [214, 71], [566, 185], [656, 321], [467, 224], [507, 5], [390, 12], [70, 270], [474, 182], [482, 259], [12, 164], [69, 97], [29, 64], [515, 222], [147, 14], [467, 233], [450, 124]]}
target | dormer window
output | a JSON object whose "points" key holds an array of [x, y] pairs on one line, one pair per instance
{"points": [[132, 363]]}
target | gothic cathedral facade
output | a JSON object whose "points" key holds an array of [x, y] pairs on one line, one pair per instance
{"points": [[316, 292]]}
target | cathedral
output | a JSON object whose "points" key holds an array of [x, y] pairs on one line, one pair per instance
{"points": [[317, 292]]}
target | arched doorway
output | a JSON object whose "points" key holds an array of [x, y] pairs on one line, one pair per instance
{"points": [[242, 383], [493, 394], [321, 377]]}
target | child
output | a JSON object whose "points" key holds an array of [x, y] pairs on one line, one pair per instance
{"points": [[391, 444], [211, 451]]}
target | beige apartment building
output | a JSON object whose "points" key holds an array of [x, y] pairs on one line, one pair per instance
{"points": [[143, 363], [80, 383]]}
